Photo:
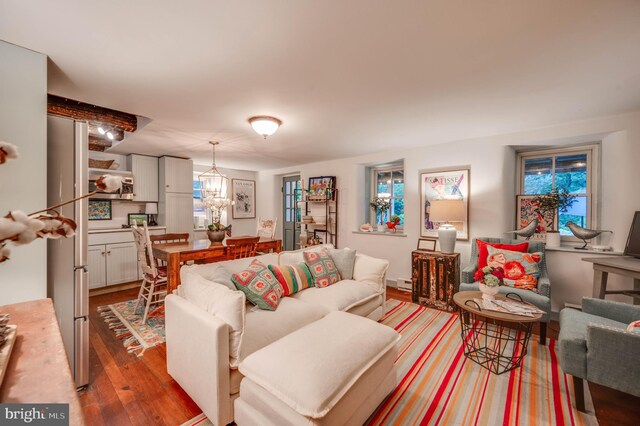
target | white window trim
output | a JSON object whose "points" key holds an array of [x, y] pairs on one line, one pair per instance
{"points": [[373, 185], [593, 173]]}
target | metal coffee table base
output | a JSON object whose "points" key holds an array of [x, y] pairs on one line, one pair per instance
{"points": [[496, 345]]}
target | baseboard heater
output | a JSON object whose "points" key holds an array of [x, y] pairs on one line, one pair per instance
{"points": [[404, 284]]}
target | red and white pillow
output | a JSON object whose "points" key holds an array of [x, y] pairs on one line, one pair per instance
{"points": [[634, 327], [483, 252]]}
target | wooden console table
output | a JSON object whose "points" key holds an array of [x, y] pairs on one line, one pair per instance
{"points": [[435, 278], [38, 370], [625, 266]]}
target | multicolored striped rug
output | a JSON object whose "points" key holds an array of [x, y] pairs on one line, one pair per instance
{"points": [[439, 386]]}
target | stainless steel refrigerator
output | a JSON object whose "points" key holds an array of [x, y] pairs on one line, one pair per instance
{"points": [[67, 273]]}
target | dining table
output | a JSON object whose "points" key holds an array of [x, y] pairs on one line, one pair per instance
{"points": [[200, 251]]}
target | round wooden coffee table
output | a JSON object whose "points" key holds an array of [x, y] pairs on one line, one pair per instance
{"points": [[495, 340]]}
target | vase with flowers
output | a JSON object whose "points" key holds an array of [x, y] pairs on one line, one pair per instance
{"points": [[216, 232], [489, 281], [381, 206], [552, 204]]}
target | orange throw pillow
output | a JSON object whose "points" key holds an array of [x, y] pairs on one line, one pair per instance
{"points": [[483, 252]]}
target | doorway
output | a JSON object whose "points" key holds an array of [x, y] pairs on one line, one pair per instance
{"points": [[291, 191]]}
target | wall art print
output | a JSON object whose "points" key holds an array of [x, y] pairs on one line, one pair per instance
{"points": [[244, 198], [321, 188], [526, 210], [99, 209], [451, 184]]}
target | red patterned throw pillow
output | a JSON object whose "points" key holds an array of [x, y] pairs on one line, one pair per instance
{"points": [[483, 252], [260, 285], [322, 268]]}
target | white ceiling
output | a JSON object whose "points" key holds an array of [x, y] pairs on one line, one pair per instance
{"points": [[345, 77]]}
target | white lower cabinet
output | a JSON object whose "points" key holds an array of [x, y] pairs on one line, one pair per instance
{"points": [[97, 266], [111, 264]]}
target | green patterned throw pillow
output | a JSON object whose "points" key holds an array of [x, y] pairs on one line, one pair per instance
{"points": [[260, 285], [322, 268]]}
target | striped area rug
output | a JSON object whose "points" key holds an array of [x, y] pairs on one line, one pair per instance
{"points": [[438, 385]]}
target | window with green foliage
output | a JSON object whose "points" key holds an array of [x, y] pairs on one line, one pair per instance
{"points": [[570, 169], [388, 183]]}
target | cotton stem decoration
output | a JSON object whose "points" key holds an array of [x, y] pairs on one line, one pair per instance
{"points": [[20, 228]]}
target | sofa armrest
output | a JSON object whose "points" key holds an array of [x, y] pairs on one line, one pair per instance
{"points": [[544, 286], [198, 356], [617, 311], [372, 271], [612, 358], [468, 272]]}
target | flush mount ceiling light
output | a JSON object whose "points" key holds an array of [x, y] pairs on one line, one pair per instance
{"points": [[265, 125]]}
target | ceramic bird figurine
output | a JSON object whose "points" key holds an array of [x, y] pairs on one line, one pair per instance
{"points": [[527, 231], [583, 233]]}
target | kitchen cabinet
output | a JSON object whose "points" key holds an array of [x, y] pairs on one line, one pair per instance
{"points": [[176, 174], [175, 190], [178, 211], [111, 264], [145, 177], [97, 266]]}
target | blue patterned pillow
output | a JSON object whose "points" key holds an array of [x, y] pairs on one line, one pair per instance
{"points": [[260, 285]]}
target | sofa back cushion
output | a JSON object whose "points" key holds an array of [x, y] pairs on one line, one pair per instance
{"points": [[292, 278], [259, 284], [209, 270], [218, 300], [344, 259], [371, 270], [297, 256], [322, 267]]}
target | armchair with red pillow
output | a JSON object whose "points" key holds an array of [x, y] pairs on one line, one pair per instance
{"points": [[540, 297]]}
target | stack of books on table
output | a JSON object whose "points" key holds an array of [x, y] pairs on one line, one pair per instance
{"points": [[509, 306]]}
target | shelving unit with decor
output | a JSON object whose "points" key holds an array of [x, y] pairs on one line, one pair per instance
{"points": [[317, 206]]}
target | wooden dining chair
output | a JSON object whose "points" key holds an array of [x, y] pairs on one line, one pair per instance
{"points": [[238, 248], [168, 238], [154, 279]]}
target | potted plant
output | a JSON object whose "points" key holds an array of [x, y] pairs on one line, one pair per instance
{"points": [[216, 231], [380, 205], [554, 201]]}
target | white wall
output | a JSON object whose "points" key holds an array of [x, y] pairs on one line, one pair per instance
{"points": [[23, 186], [492, 193], [240, 226]]}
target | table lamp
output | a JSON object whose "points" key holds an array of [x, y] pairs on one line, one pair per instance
{"points": [[151, 210], [447, 211]]}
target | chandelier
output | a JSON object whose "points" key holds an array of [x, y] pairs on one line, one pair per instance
{"points": [[213, 184]]}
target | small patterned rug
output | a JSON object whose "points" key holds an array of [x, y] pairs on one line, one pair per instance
{"points": [[128, 327], [438, 385]]}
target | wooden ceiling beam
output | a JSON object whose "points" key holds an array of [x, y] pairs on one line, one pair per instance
{"points": [[98, 144], [77, 110]]}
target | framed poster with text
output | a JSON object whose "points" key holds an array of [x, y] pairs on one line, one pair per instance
{"points": [[244, 198], [451, 184]]}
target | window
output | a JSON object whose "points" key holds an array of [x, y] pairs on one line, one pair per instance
{"points": [[201, 214], [388, 183], [573, 169]]}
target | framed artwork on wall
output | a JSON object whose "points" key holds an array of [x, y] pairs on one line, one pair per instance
{"points": [[321, 188], [527, 209], [99, 210], [447, 184], [244, 198]]}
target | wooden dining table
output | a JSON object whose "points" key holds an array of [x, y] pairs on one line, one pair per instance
{"points": [[202, 251]]}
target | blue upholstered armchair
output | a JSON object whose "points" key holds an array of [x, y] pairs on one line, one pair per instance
{"points": [[595, 346], [541, 299]]}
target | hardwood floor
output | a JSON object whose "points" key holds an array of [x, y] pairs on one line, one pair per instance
{"points": [[127, 390]]}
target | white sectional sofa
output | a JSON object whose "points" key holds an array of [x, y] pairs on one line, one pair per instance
{"points": [[198, 342]]}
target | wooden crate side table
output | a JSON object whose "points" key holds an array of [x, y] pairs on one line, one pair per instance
{"points": [[435, 278]]}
